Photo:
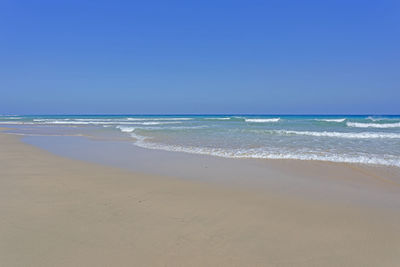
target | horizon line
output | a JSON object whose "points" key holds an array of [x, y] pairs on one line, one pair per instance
{"points": [[204, 114]]}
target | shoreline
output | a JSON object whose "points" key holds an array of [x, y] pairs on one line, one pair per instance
{"points": [[91, 135], [66, 212], [344, 139], [309, 179]]}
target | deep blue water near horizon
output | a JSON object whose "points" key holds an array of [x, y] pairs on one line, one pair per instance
{"points": [[364, 139], [200, 115]]}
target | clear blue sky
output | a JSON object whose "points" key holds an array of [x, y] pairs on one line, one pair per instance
{"points": [[199, 57]]}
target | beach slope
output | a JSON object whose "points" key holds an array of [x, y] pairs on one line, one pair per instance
{"points": [[56, 211]]}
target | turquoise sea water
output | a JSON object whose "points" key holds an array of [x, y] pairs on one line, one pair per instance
{"points": [[356, 139]]}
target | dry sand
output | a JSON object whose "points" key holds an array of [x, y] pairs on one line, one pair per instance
{"points": [[56, 211]]}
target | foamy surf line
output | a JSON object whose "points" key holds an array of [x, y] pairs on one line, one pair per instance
{"points": [[278, 136], [159, 119], [362, 135], [141, 141], [262, 120], [128, 129], [373, 125], [107, 122]]}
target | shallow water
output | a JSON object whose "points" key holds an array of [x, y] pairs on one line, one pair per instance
{"points": [[355, 139]]}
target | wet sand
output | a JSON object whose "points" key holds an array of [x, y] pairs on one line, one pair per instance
{"points": [[56, 211]]}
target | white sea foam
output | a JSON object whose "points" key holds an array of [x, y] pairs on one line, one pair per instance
{"points": [[126, 129], [112, 120], [262, 120], [373, 125], [331, 120], [362, 135], [235, 140], [178, 127], [16, 122], [159, 119], [139, 139], [90, 120], [157, 122], [263, 153]]}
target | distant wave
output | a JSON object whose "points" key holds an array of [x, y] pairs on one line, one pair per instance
{"points": [[65, 122], [128, 129], [159, 119], [101, 122], [177, 127], [218, 119], [263, 120], [157, 122], [89, 120], [362, 135], [331, 120], [373, 125], [372, 118]]}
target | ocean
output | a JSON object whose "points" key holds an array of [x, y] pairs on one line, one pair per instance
{"points": [[361, 139]]}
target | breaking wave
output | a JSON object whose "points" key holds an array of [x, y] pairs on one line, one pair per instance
{"points": [[263, 153], [362, 135], [262, 120], [331, 120], [373, 125]]}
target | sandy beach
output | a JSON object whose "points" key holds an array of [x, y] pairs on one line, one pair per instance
{"points": [[56, 211], [200, 133]]}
